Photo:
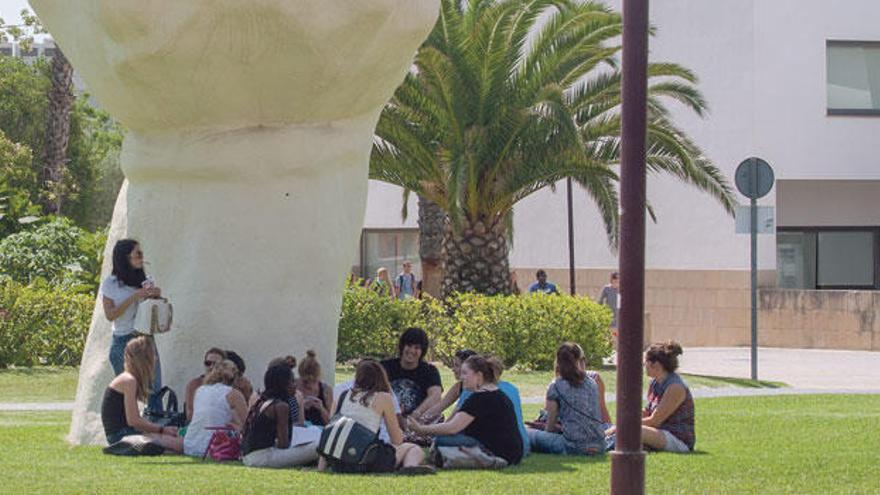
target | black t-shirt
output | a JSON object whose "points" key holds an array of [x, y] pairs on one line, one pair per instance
{"points": [[494, 424], [411, 386]]}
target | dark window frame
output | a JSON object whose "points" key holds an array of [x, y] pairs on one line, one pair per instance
{"points": [[362, 257], [817, 230], [848, 112]]}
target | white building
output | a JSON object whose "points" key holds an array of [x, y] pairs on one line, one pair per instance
{"points": [[796, 82]]}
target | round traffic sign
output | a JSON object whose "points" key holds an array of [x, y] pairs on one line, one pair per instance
{"points": [[754, 178]]}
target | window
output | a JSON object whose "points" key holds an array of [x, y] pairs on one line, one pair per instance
{"points": [[389, 249], [828, 258], [853, 80]]}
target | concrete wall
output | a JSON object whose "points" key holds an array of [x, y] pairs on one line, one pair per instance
{"points": [[828, 203], [820, 319]]}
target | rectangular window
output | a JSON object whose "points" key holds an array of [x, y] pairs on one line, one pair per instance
{"points": [[853, 79], [828, 258], [389, 249]]}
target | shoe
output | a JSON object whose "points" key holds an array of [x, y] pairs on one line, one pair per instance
{"points": [[417, 470], [147, 448], [122, 447]]}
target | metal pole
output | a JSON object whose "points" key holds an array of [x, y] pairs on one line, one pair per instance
{"points": [[754, 232], [571, 277], [628, 460]]}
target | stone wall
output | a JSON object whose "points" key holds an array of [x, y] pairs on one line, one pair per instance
{"points": [[710, 308]]}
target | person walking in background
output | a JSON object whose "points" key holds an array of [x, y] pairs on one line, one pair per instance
{"points": [[383, 284], [610, 297], [542, 285], [405, 284], [514, 285]]}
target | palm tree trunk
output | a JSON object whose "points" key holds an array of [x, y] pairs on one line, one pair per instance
{"points": [[475, 259], [431, 222], [58, 130]]}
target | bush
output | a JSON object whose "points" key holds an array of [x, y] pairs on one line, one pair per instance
{"points": [[58, 252], [523, 331], [42, 325]]}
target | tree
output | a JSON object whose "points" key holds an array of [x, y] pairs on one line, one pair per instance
{"points": [[16, 177], [507, 97], [58, 129]]}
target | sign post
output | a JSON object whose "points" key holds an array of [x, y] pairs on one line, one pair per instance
{"points": [[754, 179]]}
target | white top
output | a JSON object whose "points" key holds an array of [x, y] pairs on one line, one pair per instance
{"points": [[112, 288], [365, 415], [210, 408], [383, 430]]}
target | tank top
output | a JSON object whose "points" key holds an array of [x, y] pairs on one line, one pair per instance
{"points": [[262, 433], [113, 411], [210, 408], [364, 415], [681, 422]]}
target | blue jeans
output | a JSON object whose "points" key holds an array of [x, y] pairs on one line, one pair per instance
{"points": [[457, 440], [554, 443], [117, 361]]}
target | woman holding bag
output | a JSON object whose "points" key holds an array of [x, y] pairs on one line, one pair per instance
{"points": [[121, 293]]}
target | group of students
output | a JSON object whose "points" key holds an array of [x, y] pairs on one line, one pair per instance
{"points": [[401, 399]]}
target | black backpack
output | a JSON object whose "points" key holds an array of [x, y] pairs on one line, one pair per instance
{"points": [[350, 447], [168, 415]]}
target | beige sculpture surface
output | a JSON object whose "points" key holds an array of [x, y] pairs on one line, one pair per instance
{"points": [[250, 128]]}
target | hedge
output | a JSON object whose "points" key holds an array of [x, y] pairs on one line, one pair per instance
{"points": [[42, 324], [523, 331]]}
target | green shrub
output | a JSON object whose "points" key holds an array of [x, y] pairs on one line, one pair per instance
{"points": [[523, 331], [56, 251], [41, 324]]}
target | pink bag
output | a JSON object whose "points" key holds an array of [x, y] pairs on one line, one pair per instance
{"points": [[225, 444]]}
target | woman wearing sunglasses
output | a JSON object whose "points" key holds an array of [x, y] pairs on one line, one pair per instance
{"points": [[120, 293], [212, 357]]}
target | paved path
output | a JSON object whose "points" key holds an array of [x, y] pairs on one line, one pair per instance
{"points": [[806, 371], [799, 368]]}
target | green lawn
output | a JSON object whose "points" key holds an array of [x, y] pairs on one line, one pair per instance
{"points": [[791, 444], [59, 384]]}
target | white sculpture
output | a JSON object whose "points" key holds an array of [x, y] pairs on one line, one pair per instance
{"points": [[250, 128]]}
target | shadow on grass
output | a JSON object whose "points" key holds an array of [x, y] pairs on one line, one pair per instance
{"points": [[739, 382]]}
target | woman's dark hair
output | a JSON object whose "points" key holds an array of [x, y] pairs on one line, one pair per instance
{"points": [[369, 378], [463, 354], [489, 367], [309, 367], [277, 382], [235, 358], [568, 355], [414, 336], [122, 268], [665, 353], [219, 352]]}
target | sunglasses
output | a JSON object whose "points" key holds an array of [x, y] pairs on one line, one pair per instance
{"points": [[209, 364], [137, 254]]}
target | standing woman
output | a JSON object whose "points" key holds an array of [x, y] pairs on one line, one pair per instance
{"points": [[317, 395], [120, 294], [119, 408]]}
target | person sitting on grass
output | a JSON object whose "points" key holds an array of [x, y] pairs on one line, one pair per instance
{"points": [[215, 404], [668, 422], [458, 394], [267, 440], [317, 395], [573, 400], [370, 403], [241, 382], [487, 418], [119, 408], [212, 357], [295, 401], [416, 383]]}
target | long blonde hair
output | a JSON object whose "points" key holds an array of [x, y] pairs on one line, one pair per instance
{"points": [[140, 362], [224, 372]]}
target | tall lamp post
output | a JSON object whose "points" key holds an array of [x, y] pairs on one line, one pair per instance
{"points": [[628, 459]]}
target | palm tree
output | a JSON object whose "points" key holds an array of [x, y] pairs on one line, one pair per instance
{"points": [[58, 129], [508, 97]]}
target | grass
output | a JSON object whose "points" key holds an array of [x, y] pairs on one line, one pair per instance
{"points": [[49, 384], [791, 444]]}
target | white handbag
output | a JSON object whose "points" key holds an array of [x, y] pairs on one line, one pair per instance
{"points": [[154, 316]]}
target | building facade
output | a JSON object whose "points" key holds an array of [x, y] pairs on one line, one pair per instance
{"points": [[795, 82]]}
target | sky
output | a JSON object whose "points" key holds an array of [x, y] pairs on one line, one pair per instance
{"points": [[9, 9]]}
